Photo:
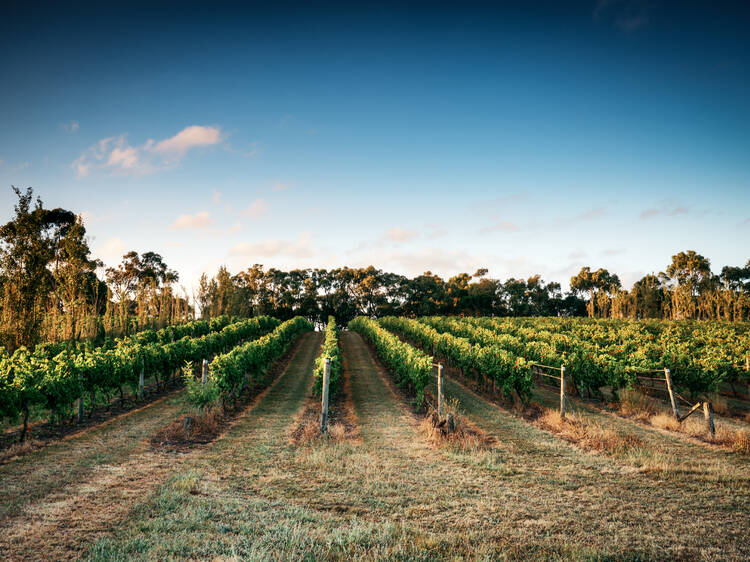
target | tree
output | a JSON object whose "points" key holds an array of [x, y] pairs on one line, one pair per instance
{"points": [[599, 284], [28, 245], [688, 273], [648, 295]]}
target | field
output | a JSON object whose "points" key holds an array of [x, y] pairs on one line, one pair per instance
{"points": [[618, 477]]}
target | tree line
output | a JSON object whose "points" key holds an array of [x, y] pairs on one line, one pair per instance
{"points": [[686, 290], [52, 289]]}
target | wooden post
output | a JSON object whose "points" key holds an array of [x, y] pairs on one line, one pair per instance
{"points": [[141, 381], [440, 389], [708, 414], [324, 405], [562, 391], [52, 415], [672, 397], [80, 408], [204, 372]]}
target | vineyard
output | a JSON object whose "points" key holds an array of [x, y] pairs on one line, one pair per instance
{"points": [[381, 373]]}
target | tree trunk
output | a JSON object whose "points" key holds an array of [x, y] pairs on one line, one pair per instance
{"points": [[25, 429]]}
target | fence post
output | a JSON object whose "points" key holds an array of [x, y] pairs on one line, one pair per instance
{"points": [[141, 381], [324, 405], [708, 414], [440, 389], [672, 398], [562, 391], [80, 408], [204, 372]]}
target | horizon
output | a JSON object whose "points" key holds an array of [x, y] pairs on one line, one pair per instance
{"points": [[524, 140]]}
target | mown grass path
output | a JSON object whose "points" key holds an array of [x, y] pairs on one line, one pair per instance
{"points": [[43, 487], [686, 510], [254, 494]]}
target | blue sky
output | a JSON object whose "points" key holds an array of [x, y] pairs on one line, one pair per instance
{"points": [[525, 138]]}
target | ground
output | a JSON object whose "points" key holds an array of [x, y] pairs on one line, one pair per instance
{"points": [[256, 494]]}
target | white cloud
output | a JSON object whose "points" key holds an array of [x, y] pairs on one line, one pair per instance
{"points": [[299, 248], [278, 186], [189, 137], [666, 208], [111, 251], [397, 234], [502, 226], [116, 155], [256, 208], [215, 197], [198, 220]]}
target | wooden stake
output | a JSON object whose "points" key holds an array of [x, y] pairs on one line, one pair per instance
{"points": [[324, 405], [204, 372], [440, 389], [672, 398], [562, 391], [80, 408], [141, 382], [708, 414]]}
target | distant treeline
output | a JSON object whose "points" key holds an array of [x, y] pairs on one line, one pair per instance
{"points": [[686, 290], [51, 289]]}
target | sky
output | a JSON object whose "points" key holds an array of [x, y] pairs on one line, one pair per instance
{"points": [[522, 137]]}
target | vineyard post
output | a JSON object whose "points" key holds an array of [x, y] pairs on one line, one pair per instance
{"points": [[440, 389], [80, 408], [141, 381], [324, 405], [670, 390], [562, 391], [708, 414], [204, 372]]}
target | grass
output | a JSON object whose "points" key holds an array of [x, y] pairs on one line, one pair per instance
{"points": [[730, 434], [254, 494]]}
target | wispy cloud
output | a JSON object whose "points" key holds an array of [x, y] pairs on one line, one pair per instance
{"points": [[71, 126], [256, 208], [667, 208], [190, 137], [501, 226], [593, 213], [116, 156], [215, 196], [299, 248], [278, 186], [398, 234], [198, 220], [625, 15]]}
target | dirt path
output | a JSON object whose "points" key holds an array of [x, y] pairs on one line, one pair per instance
{"points": [[85, 507]]}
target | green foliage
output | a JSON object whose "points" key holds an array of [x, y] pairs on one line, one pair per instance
{"points": [[36, 378], [510, 372], [332, 351], [198, 394], [251, 360], [410, 365]]}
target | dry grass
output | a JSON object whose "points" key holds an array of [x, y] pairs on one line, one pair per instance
{"points": [[638, 406], [588, 435], [720, 405], [205, 425], [463, 439], [18, 449]]}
